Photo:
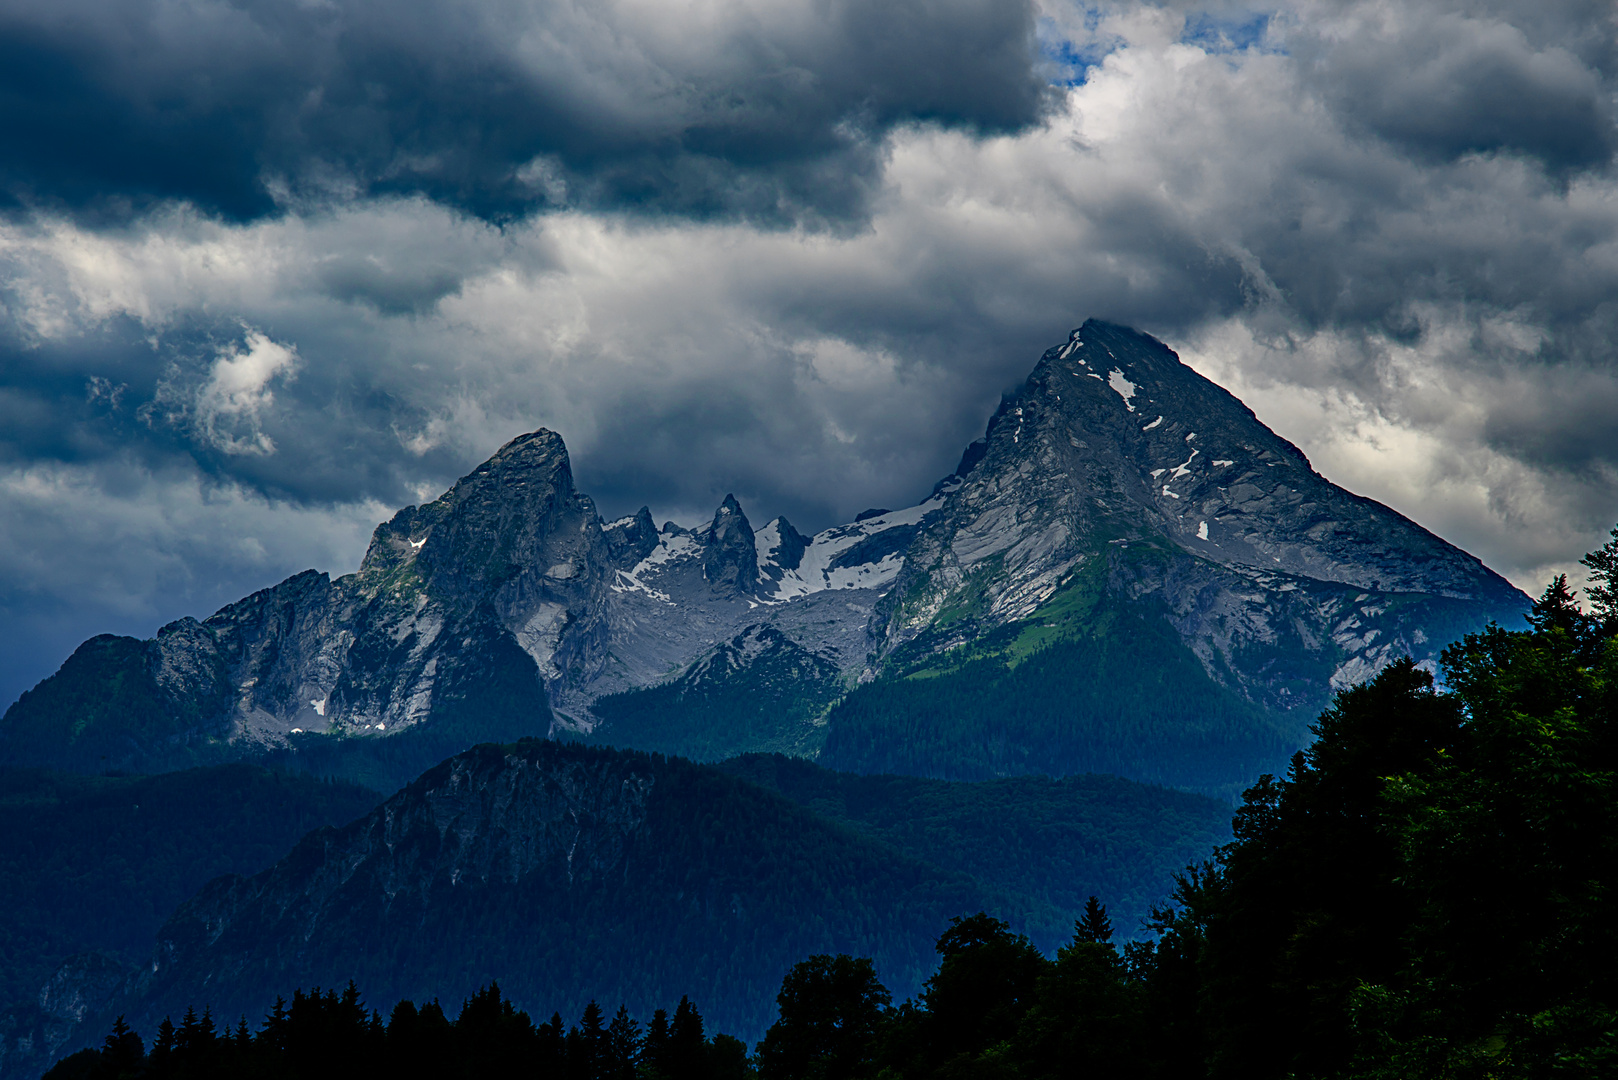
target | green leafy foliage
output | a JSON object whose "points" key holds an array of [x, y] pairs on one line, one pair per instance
{"points": [[1433, 890], [831, 1012], [995, 1007], [98, 862]]}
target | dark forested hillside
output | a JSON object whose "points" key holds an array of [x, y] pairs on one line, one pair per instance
{"points": [[565, 872], [99, 862], [1057, 841]]}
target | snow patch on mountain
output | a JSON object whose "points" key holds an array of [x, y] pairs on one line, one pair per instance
{"points": [[826, 564], [672, 548]]}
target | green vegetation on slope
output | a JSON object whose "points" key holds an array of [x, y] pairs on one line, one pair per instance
{"points": [[1124, 697], [103, 711], [99, 862]]}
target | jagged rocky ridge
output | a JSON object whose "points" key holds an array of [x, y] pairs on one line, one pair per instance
{"points": [[508, 606]]}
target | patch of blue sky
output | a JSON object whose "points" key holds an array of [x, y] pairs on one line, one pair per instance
{"points": [[1228, 31], [1068, 62]]}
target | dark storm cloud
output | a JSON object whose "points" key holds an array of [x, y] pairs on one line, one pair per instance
{"points": [[768, 111], [1443, 84]]}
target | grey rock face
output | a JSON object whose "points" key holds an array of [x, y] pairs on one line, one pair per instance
{"points": [[1114, 463], [1113, 444], [729, 557], [631, 539], [34, 1036], [786, 552]]}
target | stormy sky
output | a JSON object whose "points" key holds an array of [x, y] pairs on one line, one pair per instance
{"points": [[270, 269]]}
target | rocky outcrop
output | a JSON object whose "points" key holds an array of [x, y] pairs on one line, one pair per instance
{"points": [[729, 557], [35, 1034], [631, 539]]}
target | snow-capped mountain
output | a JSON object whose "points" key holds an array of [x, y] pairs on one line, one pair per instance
{"points": [[1116, 483]]}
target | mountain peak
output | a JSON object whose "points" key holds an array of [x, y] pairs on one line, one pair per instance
{"points": [[1116, 482], [1114, 444], [729, 554], [631, 539]]}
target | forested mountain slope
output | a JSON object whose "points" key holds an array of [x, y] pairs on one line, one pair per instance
{"points": [[567, 872], [92, 866]]}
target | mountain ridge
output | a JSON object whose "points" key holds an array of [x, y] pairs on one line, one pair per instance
{"points": [[1115, 483]]}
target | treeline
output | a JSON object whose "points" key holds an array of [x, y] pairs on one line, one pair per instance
{"points": [[333, 1035]]}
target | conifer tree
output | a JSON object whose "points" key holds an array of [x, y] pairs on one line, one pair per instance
{"points": [[622, 1046], [687, 1049], [589, 1053], [272, 1036], [551, 1041], [122, 1053], [163, 1045], [654, 1054], [1603, 587], [1557, 608], [1094, 926]]}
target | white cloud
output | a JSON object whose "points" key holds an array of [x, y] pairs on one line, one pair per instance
{"points": [[237, 391]]}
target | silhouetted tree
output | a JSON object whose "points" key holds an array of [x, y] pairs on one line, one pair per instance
{"points": [[687, 1055], [1093, 925], [622, 1047], [831, 1010]]}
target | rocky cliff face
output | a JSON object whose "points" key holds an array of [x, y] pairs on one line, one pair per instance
{"points": [[1115, 459], [1114, 471]]}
